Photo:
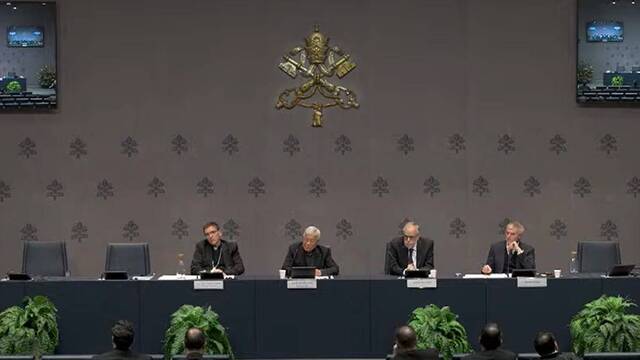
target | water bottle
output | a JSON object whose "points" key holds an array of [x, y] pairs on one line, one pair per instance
{"points": [[181, 270], [573, 263]]}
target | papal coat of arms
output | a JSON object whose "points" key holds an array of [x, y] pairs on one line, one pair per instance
{"points": [[317, 63]]}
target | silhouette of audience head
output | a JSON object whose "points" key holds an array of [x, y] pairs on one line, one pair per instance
{"points": [[545, 343], [194, 340], [405, 338], [122, 335], [491, 337]]}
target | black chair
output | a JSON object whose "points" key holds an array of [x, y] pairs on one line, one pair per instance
{"points": [[387, 266], [612, 356], [130, 257], [528, 356], [204, 357], [45, 258], [597, 256]]}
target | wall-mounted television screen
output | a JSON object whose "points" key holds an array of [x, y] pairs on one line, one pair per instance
{"points": [[605, 31], [607, 69], [25, 36], [28, 61]]}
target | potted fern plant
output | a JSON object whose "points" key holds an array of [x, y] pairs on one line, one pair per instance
{"points": [[205, 319], [439, 328], [617, 80], [13, 87], [584, 74], [604, 325], [29, 330], [46, 77]]}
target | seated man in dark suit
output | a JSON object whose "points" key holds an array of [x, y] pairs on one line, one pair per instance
{"points": [[194, 341], [504, 256], [405, 346], [309, 253], [547, 347], [216, 255], [490, 340], [122, 337], [409, 252]]}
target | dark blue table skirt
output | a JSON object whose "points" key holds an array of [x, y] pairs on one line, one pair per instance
{"points": [[346, 317]]}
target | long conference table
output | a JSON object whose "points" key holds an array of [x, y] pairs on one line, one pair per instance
{"points": [[342, 318]]}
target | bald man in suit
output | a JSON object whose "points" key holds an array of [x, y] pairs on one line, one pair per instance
{"points": [[409, 252]]}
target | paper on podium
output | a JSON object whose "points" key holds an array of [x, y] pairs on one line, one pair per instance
{"points": [[483, 276]]}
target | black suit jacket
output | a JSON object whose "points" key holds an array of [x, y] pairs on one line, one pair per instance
{"points": [[322, 259], [398, 255], [120, 354], [495, 259], [203, 258], [427, 354], [497, 354]]}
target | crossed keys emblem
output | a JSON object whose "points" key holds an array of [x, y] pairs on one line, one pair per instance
{"points": [[316, 62]]}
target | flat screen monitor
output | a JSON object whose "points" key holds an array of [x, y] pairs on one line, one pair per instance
{"points": [[605, 31], [25, 36], [28, 69]]}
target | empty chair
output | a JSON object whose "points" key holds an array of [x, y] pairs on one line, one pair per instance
{"points": [[45, 258], [130, 257], [597, 256], [611, 356]]}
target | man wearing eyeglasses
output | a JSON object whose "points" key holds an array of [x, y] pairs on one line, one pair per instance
{"points": [[216, 255], [308, 253], [409, 252]]}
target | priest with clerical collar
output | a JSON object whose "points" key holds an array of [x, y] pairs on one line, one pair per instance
{"points": [[216, 255]]}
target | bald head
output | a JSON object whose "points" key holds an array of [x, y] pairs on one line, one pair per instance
{"points": [[491, 337], [194, 340], [545, 343], [405, 338]]}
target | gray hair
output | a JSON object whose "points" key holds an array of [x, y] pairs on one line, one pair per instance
{"points": [[411, 223], [312, 231], [517, 225]]}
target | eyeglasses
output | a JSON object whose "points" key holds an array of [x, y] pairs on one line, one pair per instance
{"points": [[211, 232]]}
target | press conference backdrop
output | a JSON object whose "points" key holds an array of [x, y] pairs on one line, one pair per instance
{"points": [[468, 118]]}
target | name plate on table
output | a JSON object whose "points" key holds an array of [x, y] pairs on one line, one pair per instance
{"points": [[302, 284], [422, 283], [529, 282], [208, 285]]}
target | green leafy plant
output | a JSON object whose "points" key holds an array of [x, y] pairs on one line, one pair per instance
{"points": [[13, 87], [617, 80], [584, 74], [605, 326], [31, 329], [205, 319], [47, 77], [439, 328]]}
